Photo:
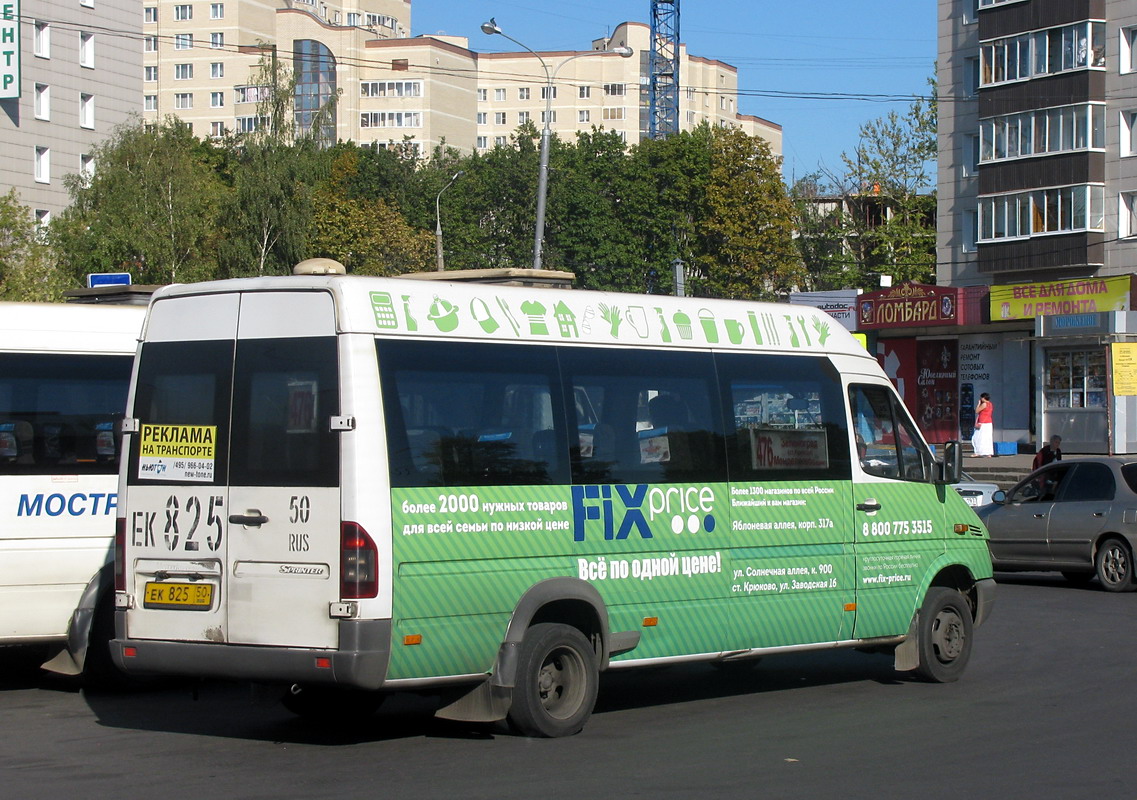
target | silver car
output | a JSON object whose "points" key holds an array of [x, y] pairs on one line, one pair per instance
{"points": [[1077, 517]]}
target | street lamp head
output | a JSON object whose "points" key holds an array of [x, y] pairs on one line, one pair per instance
{"points": [[490, 27], [623, 51]]}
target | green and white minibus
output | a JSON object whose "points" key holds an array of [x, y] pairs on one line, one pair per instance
{"points": [[352, 486]]}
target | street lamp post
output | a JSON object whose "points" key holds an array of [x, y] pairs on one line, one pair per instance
{"points": [[438, 219], [491, 27]]}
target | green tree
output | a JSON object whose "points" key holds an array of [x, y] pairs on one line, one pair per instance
{"points": [[369, 237], [27, 271], [887, 188], [746, 248], [822, 231], [150, 208]]}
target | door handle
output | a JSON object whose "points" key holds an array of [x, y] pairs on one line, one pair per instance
{"points": [[253, 519], [1040, 516], [869, 505], [1099, 513]]}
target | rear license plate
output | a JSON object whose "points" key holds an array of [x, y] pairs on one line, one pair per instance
{"points": [[186, 596], [971, 500]]}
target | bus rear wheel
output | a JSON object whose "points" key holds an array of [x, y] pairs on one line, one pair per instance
{"points": [[944, 632], [557, 682]]}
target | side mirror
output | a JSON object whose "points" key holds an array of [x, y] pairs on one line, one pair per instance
{"points": [[951, 468], [999, 497]]}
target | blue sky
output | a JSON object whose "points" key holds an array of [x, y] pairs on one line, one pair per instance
{"points": [[886, 47]]}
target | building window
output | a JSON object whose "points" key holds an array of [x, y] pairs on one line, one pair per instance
{"points": [[549, 117], [217, 129], [613, 113], [523, 93], [252, 94], [1128, 133], [390, 89], [1062, 209], [390, 119], [217, 69], [150, 74], [183, 100], [499, 94], [41, 43], [482, 95], [250, 124], [43, 165], [150, 14], [970, 233], [522, 117], [1128, 61], [1127, 215], [1043, 131], [86, 111], [183, 41], [615, 89], [584, 116], [971, 75], [584, 92], [314, 67], [482, 142], [183, 12], [43, 217], [217, 99], [217, 11], [1075, 378], [353, 19], [1044, 52], [971, 156], [150, 102], [483, 117], [87, 50], [216, 40], [499, 118], [499, 141], [150, 44], [548, 92], [42, 104], [86, 165], [183, 72]]}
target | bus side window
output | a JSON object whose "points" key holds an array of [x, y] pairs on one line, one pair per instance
{"points": [[887, 441], [472, 414]]}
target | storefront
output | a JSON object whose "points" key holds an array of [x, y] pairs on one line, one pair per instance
{"points": [[1075, 324], [938, 347]]}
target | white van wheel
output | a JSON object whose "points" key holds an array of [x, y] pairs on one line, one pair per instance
{"points": [[557, 682], [944, 635]]}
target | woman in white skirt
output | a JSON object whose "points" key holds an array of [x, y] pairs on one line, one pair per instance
{"points": [[983, 440]]}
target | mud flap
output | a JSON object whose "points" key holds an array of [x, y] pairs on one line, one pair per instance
{"points": [[907, 656], [487, 702]]}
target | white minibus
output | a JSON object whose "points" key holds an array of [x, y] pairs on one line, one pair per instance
{"points": [[64, 373], [350, 486]]}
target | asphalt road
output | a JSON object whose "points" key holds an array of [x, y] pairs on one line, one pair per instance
{"points": [[1047, 709]]}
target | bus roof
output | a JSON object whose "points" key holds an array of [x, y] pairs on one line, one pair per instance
{"points": [[70, 328], [472, 311]]}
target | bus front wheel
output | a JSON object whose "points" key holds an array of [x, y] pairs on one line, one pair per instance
{"points": [[557, 682], [944, 633]]}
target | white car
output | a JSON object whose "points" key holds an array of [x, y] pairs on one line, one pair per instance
{"points": [[976, 493]]}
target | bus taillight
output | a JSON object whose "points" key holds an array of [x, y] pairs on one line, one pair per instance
{"points": [[359, 563], [120, 555]]}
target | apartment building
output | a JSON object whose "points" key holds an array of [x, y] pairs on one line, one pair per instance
{"points": [[604, 90], [70, 71], [1038, 202], [203, 63]]}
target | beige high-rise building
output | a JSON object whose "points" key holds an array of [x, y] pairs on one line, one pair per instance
{"points": [[202, 60]]}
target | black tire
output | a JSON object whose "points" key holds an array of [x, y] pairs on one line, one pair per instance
{"points": [[557, 682], [944, 635], [1078, 578], [331, 703], [1114, 566]]}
